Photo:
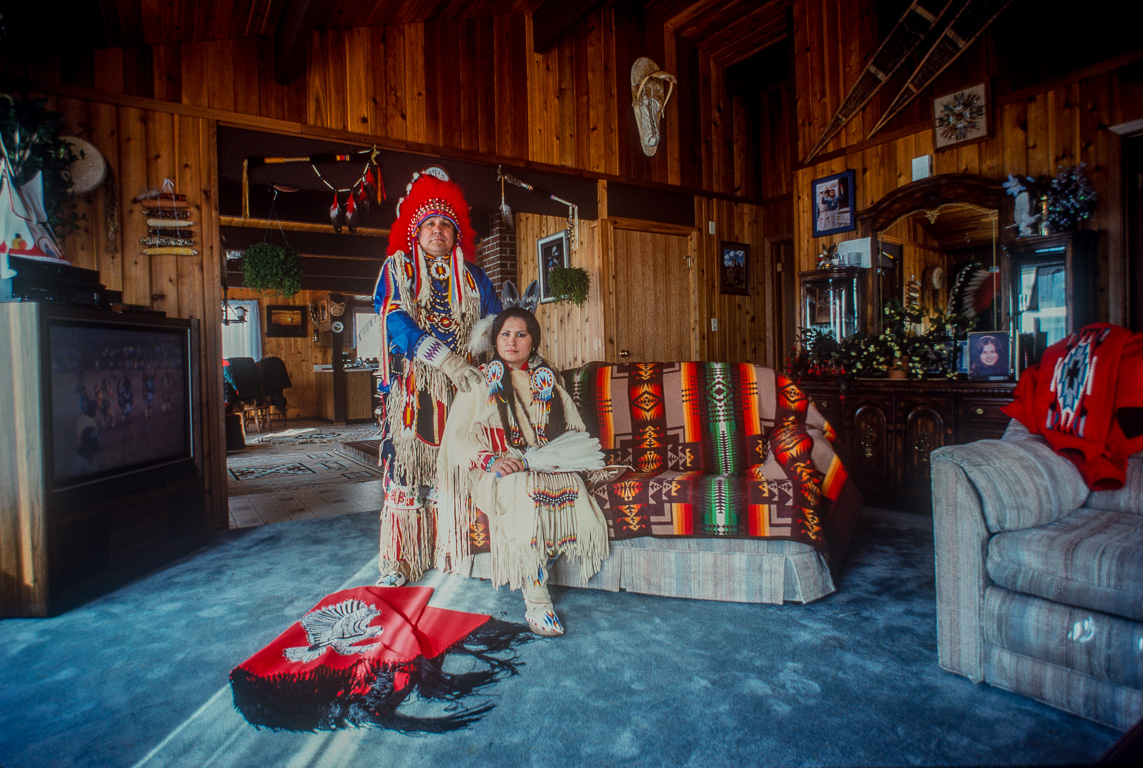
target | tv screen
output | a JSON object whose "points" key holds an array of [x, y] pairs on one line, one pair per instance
{"points": [[119, 397]]}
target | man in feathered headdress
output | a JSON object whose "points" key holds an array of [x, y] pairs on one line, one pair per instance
{"points": [[430, 297]]}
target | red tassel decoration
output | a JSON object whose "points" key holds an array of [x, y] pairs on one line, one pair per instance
{"points": [[335, 215], [351, 214]]}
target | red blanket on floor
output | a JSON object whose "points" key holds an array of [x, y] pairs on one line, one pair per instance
{"points": [[359, 653]]}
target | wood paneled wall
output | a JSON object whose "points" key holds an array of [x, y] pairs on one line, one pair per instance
{"points": [[465, 87], [1036, 131], [572, 335], [144, 147], [299, 354]]}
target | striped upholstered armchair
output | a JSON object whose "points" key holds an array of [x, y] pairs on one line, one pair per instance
{"points": [[1039, 581]]}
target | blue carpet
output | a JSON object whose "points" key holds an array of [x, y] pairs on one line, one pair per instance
{"points": [[139, 677]]}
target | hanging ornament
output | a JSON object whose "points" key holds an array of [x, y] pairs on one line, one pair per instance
{"points": [[170, 231], [335, 214], [362, 201], [350, 214]]}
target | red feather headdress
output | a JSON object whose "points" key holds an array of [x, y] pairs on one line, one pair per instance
{"points": [[430, 196]]}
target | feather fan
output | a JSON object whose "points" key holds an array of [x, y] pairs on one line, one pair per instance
{"points": [[570, 452]]}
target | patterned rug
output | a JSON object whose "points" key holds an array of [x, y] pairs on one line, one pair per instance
{"points": [[316, 435], [265, 474]]}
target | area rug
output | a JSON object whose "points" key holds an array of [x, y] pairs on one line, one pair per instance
{"points": [[359, 654], [316, 435], [293, 471]]}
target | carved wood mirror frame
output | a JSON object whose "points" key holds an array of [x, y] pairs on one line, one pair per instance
{"points": [[930, 194]]}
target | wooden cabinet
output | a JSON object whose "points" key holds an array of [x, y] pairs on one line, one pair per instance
{"points": [[357, 395], [891, 427]]}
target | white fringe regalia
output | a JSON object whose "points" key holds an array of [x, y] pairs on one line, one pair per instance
{"points": [[407, 528], [532, 515]]}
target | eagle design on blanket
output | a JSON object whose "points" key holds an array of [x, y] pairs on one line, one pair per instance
{"points": [[340, 627]]}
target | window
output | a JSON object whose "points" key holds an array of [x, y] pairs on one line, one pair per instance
{"points": [[243, 339], [367, 333]]}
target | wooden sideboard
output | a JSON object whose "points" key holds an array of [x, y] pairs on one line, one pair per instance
{"points": [[891, 427]]}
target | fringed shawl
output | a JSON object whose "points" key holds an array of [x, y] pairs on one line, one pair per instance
{"points": [[531, 515]]}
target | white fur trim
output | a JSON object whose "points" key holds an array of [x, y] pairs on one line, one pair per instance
{"points": [[480, 339]]}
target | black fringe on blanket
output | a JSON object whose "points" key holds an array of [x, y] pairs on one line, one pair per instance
{"points": [[323, 700]]}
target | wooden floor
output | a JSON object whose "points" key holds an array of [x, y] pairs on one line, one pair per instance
{"points": [[294, 502]]}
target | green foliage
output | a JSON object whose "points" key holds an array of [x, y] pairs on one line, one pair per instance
{"points": [[819, 354], [31, 135], [570, 284], [272, 268]]}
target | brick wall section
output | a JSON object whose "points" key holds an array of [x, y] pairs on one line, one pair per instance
{"points": [[496, 254]]}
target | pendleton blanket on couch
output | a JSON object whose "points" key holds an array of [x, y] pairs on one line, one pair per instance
{"points": [[718, 450]]}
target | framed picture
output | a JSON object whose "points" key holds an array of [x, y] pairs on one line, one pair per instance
{"points": [[960, 117], [988, 356], [285, 321], [734, 268], [833, 204], [551, 251]]}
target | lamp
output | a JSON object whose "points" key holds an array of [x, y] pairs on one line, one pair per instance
{"points": [[231, 314]]}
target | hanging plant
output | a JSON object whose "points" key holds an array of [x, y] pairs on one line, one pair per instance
{"points": [[31, 134], [569, 284], [272, 268]]}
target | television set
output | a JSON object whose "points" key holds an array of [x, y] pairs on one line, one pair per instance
{"points": [[119, 402]]}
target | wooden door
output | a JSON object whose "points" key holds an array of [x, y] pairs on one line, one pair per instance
{"points": [[653, 297]]}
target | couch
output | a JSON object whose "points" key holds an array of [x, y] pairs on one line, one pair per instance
{"points": [[735, 492], [1040, 581]]}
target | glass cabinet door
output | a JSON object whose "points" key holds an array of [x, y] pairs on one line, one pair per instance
{"points": [[1050, 290], [831, 300]]}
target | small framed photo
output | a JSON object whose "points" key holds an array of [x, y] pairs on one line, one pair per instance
{"points": [[285, 321], [734, 268], [833, 204], [961, 117], [551, 252], [988, 356]]}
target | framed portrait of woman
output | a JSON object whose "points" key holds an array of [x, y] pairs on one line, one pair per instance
{"points": [[988, 356]]}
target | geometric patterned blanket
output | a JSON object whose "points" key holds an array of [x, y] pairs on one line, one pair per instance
{"points": [[718, 450]]}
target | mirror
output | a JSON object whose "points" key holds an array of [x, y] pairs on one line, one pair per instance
{"points": [[923, 252], [928, 230]]}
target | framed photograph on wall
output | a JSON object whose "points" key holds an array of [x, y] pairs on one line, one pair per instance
{"points": [[734, 268], [961, 117], [551, 251], [834, 204], [988, 356], [285, 321]]}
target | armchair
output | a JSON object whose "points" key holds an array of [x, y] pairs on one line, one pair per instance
{"points": [[1039, 580]]}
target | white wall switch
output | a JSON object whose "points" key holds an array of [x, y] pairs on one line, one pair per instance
{"points": [[710, 227], [714, 323], [922, 167]]}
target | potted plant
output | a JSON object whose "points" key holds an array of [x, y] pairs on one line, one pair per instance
{"points": [[32, 139], [901, 344], [272, 268], [569, 284]]}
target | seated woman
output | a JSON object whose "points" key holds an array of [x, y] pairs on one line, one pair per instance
{"points": [[483, 465]]}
